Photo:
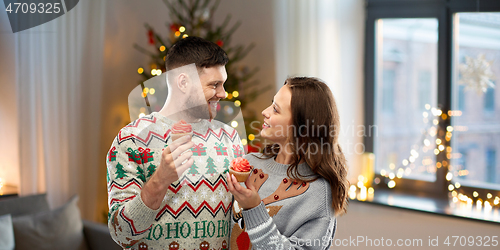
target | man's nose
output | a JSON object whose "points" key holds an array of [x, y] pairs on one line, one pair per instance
{"points": [[221, 93]]}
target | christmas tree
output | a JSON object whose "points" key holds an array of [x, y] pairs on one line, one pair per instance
{"points": [[151, 170], [120, 173], [140, 173], [193, 169], [211, 166], [226, 165], [196, 18]]}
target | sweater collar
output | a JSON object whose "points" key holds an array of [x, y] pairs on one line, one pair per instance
{"points": [[279, 168]]}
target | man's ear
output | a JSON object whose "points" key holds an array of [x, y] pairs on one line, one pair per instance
{"points": [[183, 82]]}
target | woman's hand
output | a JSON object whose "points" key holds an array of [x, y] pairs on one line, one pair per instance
{"points": [[247, 198]]}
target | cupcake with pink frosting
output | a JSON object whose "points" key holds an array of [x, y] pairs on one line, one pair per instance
{"points": [[240, 168], [181, 129]]}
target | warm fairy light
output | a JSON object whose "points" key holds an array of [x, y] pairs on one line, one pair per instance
{"points": [[392, 166], [184, 36], [251, 137], [435, 122], [177, 34], [475, 194], [412, 159], [457, 185], [236, 93], [451, 187], [153, 72], [441, 147], [479, 205], [234, 124], [244, 142], [237, 103], [405, 162], [152, 91], [449, 128], [140, 70], [455, 199], [438, 141], [399, 175], [425, 114], [226, 94], [496, 202], [436, 151], [145, 90], [182, 29], [391, 176], [427, 106], [360, 184], [489, 195], [352, 188], [449, 175], [382, 172], [371, 190], [361, 178], [162, 48], [427, 142], [454, 193], [391, 184], [141, 115], [444, 116], [229, 96], [144, 95]]}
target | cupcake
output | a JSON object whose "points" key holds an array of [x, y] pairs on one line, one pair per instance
{"points": [[240, 168], [181, 129]]}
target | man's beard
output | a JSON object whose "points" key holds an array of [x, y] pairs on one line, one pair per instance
{"points": [[199, 111]]}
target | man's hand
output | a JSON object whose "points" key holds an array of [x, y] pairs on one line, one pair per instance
{"points": [[247, 197], [174, 161]]}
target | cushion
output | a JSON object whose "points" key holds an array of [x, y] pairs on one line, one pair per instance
{"points": [[24, 205], [57, 229], [6, 233]]}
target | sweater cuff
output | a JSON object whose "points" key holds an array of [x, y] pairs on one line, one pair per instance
{"points": [[256, 216], [139, 215]]}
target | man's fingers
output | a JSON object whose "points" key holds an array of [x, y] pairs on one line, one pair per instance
{"points": [[175, 144], [182, 148], [182, 168], [178, 162]]}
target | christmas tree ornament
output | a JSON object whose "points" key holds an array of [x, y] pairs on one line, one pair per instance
{"points": [[476, 74]]}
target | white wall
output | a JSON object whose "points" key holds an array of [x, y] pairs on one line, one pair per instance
{"points": [[9, 151]]}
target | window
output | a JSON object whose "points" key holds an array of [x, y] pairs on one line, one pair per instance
{"points": [[429, 73]]}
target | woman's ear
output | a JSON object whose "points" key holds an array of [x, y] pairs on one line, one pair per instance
{"points": [[182, 82]]}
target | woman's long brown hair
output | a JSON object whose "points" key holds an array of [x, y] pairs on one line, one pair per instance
{"points": [[316, 127]]}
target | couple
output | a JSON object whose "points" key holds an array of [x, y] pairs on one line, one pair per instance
{"points": [[166, 194]]}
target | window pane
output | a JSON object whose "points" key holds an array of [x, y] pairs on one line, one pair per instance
{"points": [[476, 134], [405, 93]]}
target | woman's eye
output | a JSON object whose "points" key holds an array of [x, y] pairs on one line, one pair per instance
{"points": [[276, 111]]}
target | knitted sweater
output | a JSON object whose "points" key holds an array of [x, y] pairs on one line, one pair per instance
{"points": [[292, 214], [194, 213]]}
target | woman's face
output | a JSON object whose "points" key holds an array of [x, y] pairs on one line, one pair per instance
{"points": [[278, 117]]}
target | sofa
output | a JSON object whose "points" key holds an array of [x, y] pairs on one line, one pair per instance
{"points": [[35, 226]]}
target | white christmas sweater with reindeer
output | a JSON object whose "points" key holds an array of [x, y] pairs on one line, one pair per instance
{"points": [[194, 213], [292, 214]]}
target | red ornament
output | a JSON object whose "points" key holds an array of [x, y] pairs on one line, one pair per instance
{"points": [[261, 175], [276, 197], [304, 184], [151, 37], [174, 27], [285, 180], [255, 171], [220, 43], [294, 183]]}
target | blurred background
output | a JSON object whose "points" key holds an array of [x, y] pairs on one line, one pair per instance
{"points": [[415, 83]]}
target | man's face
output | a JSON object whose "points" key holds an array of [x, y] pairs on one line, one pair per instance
{"points": [[212, 82]]}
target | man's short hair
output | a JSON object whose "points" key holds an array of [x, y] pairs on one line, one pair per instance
{"points": [[202, 53]]}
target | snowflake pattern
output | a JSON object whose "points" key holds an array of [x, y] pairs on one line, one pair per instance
{"points": [[185, 194], [204, 193], [213, 198], [195, 198], [175, 200], [476, 74]]}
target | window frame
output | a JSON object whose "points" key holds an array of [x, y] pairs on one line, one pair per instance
{"points": [[443, 11]]}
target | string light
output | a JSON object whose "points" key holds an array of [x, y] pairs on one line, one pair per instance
{"points": [[235, 93], [140, 70], [234, 124], [184, 36], [182, 29], [162, 48], [237, 103], [251, 137]]}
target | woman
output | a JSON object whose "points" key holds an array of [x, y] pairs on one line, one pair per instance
{"points": [[300, 181]]}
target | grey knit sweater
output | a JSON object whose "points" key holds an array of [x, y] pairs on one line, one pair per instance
{"points": [[292, 214]]}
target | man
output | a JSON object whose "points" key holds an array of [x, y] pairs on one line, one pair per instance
{"points": [[172, 195]]}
